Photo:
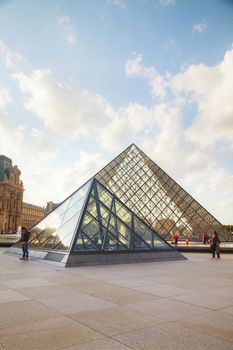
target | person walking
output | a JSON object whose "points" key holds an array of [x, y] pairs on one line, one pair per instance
{"points": [[215, 244], [25, 234]]}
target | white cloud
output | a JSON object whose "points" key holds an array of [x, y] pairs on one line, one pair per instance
{"points": [[119, 3], [80, 171], [71, 39], [9, 57], [5, 97], [210, 89], [64, 111], [135, 68], [199, 27], [78, 114], [65, 23]]}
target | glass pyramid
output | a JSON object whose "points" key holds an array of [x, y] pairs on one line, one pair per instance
{"points": [[108, 225], [156, 198], [92, 219]]}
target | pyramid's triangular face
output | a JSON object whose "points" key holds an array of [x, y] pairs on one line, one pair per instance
{"points": [[156, 198], [93, 219], [56, 230], [108, 225]]}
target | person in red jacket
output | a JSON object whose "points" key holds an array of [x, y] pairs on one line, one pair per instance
{"points": [[175, 238]]}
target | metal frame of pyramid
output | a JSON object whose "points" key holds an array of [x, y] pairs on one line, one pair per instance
{"points": [[156, 198]]}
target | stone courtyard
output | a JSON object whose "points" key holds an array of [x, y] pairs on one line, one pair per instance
{"points": [[160, 305]]}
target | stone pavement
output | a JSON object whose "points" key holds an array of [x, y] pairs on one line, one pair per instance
{"points": [[166, 305]]}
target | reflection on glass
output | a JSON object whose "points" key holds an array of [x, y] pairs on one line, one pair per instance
{"points": [[50, 232]]}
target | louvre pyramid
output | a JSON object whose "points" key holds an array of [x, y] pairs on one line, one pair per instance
{"points": [[156, 198], [93, 220]]}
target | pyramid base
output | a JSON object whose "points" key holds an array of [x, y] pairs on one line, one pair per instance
{"points": [[98, 258], [111, 258]]}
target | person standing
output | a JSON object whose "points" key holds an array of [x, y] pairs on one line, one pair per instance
{"points": [[215, 244], [175, 238], [25, 234]]}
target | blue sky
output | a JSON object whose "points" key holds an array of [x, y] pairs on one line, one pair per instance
{"points": [[81, 80]]}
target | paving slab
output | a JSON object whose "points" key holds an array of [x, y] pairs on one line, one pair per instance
{"points": [[116, 320], [23, 311], [214, 323], [75, 303], [204, 283], [167, 309], [209, 299], [10, 296], [53, 333], [170, 336], [46, 291], [115, 294], [228, 310]]}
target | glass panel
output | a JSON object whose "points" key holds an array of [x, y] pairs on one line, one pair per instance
{"points": [[92, 208], [148, 235], [104, 196], [66, 232], [104, 213], [112, 243], [79, 194], [73, 210], [122, 213], [92, 235]]}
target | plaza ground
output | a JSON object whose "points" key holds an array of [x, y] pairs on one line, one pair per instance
{"points": [[160, 305]]}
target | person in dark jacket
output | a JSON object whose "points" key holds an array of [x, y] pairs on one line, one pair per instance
{"points": [[25, 234], [215, 244]]}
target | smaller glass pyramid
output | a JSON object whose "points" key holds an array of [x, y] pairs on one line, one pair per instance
{"points": [[92, 219], [108, 225]]}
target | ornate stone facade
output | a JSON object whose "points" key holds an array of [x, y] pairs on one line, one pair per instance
{"points": [[50, 207], [11, 195], [31, 214]]}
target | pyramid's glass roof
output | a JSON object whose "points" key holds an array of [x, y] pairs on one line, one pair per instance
{"points": [[156, 198]]}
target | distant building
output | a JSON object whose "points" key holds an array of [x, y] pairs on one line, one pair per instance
{"points": [[50, 207], [31, 214], [11, 195]]}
